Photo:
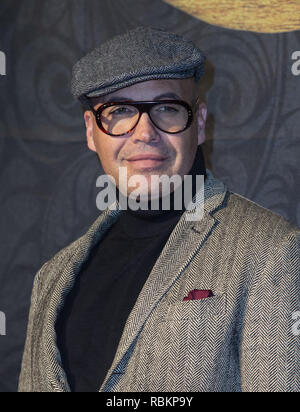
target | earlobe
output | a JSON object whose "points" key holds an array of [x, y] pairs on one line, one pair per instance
{"points": [[89, 131]]}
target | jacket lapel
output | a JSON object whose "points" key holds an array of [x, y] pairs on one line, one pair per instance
{"points": [[185, 241]]}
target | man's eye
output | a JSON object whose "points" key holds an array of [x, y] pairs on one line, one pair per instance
{"points": [[121, 110], [167, 109]]}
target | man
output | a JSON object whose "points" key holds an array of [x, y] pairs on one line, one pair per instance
{"points": [[149, 300]]}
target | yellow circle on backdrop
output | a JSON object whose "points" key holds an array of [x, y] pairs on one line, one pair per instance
{"points": [[264, 16]]}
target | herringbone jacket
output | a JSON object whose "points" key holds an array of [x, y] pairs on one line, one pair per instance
{"points": [[245, 338]]}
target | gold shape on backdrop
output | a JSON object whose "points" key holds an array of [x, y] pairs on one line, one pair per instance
{"points": [[264, 16]]}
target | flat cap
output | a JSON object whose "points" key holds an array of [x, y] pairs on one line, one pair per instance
{"points": [[142, 54]]}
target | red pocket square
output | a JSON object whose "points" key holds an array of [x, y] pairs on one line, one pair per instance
{"points": [[197, 294]]}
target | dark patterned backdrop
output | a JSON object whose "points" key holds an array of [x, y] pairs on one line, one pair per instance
{"points": [[48, 191]]}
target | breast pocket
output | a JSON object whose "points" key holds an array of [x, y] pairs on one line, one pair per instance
{"points": [[188, 345], [196, 309]]}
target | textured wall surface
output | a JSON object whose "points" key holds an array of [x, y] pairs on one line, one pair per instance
{"points": [[264, 16], [48, 176]]}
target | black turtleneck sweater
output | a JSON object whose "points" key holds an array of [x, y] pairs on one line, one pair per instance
{"points": [[95, 311]]}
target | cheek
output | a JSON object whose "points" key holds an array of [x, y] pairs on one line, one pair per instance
{"points": [[108, 151], [186, 148]]}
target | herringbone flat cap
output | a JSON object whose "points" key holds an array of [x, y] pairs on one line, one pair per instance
{"points": [[142, 54]]}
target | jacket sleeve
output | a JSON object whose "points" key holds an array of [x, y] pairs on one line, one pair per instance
{"points": [[26, 376], [270, 339]]}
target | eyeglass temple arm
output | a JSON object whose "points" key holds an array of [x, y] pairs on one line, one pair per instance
{"points": [[196, 101], [87, 103]]}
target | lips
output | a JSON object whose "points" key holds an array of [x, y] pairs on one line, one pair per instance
{"points": [[146, 157], [146, 161]]}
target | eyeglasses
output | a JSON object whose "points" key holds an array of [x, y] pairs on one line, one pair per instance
{"points": [[120, 118]]}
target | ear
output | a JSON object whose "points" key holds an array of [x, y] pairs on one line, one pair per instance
{"points": [[202, 117], [89, 124]]}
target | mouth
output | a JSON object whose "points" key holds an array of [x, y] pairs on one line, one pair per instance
{"points": [[146, 161]]}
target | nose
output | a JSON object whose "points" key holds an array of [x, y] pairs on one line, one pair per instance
{"points": [[145, 130]]}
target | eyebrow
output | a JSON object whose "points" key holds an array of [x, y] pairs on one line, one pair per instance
{"points": [[169, 95]]}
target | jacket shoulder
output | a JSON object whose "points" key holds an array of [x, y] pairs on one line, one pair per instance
{"points": [[50, 270], [63, 255], [249, 214], [76, 250]]}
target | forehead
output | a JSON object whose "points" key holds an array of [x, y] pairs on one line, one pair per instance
{"points": [[154, 89]]}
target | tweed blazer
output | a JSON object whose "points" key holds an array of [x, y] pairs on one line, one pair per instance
{"points": [[243, 339]]}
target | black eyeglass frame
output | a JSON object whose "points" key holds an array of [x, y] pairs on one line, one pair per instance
{"points": [[143, 107]]}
